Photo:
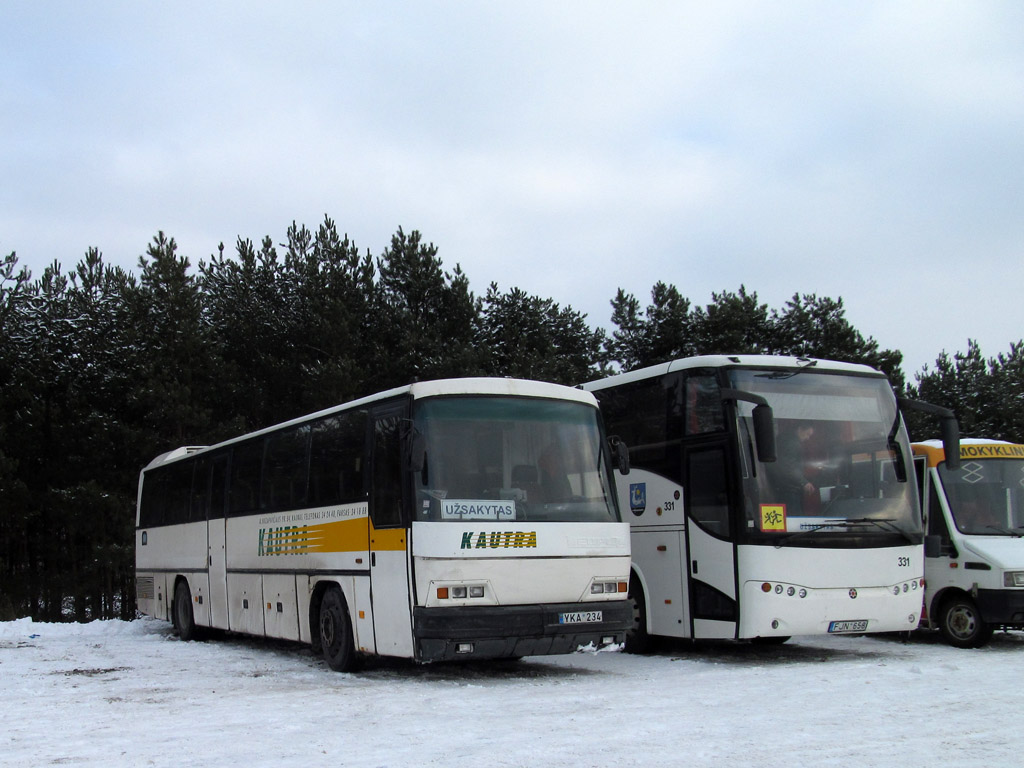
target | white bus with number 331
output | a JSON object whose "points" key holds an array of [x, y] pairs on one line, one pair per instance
{"points": [[768, 497]]}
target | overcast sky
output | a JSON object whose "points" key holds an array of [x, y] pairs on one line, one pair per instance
{"points": [[872, 151]]}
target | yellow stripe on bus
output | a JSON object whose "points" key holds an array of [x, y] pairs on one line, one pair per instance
{"points": [[340, 536], [355, 535], [390, 540]]}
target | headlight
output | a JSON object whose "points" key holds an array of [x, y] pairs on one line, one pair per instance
{"points": [[1013, 578]]}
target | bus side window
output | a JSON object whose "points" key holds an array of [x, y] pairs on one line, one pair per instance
{"points": [[200, 489], [386, 479], [246, 459], [703, 404], [179, 492], [645, 416], [285, 469], [336, 459], [151, 508]]}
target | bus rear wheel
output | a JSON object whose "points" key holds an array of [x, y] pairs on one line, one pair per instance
{"points": [[961, 624], [336, 641], [183, 619]]}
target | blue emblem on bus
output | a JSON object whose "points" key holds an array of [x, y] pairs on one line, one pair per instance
{"points": [[637, 498]]}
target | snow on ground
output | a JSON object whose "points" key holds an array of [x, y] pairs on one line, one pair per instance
{"points": [[131, 693]]}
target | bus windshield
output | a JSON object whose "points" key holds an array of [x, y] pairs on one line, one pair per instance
{"points": [[986, 496], [512, 459], [841, 472]]}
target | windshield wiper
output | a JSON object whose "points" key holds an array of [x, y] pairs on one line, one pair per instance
{"points": [[885, 523], [775, 375], [812, 528], [1007, 531]]}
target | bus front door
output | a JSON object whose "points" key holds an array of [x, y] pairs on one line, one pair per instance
{"points": [[389, 540], [710, 551], [216, 542]]}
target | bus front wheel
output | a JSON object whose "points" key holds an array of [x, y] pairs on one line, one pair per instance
{"points": [[961, 624], [184, 620], [637, 639], [336, 641]]}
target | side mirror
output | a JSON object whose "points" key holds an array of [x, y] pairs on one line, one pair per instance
{"points": [[416, 446], [764, 433], [948, 425], [951, 442], [932, 546], [764, 422], [619, 453]]}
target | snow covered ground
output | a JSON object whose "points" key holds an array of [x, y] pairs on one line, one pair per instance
{"points": [[118, 693]]}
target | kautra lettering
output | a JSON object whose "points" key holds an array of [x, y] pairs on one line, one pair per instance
{"points": [[284, 540], [499, 540]]}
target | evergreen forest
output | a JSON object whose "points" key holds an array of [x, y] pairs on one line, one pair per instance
{"points": [[102, 369]]}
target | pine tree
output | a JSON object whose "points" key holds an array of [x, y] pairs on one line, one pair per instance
{"points": [[14, 396], [426, 319], [960, 383], [809, 326], [664, 333], [1008, 387], [335, 296], [533, 338], [174, 358], [248, 318], [733, 323]]}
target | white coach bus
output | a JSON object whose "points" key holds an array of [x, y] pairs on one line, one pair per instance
{"points": [[730, 540], [456, 519]]}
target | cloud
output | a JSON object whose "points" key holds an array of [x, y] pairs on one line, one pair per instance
{"points": [[869, 151]]}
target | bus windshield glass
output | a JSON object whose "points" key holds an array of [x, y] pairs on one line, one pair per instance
{"points": [[841, 475], [986, 496], [508, 459]]}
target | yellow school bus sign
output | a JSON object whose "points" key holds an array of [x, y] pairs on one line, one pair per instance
{"points": [[773, 517]]}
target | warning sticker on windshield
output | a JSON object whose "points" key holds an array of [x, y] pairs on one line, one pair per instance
{"points": [[773, 517]]}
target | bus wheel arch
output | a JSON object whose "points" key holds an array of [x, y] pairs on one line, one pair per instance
{"points": [[960, 621], [334, 630], [638, 638]]}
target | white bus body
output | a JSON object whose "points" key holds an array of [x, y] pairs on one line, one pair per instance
{"points": [[726, 544], [974, 571], [417, 523]]}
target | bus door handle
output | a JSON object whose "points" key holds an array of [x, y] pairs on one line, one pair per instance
{"points": [[373, 559], [695, 566]]}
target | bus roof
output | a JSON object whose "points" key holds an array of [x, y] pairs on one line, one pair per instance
{"points": [[774, 362], [417, 391], [970, 448]]}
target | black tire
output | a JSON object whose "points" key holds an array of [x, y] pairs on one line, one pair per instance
{"points": [[961, 624], [335, 629], [637, 638], [182, 616], [771, 640]]}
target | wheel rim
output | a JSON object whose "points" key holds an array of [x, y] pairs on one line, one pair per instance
{"points": [[327, 629], [961, 622]]}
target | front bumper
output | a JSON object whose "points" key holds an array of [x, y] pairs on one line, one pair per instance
{"points": [[513, 631], [1001, 607]]}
